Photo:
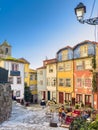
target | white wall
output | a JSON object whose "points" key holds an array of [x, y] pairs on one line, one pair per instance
{"points": [[16, 87]]}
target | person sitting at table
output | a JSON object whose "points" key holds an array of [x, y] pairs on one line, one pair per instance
{"points": [[85, 114], [63, 114]]}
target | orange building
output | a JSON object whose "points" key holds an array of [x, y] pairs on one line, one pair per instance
{"points": [[83, 73]]}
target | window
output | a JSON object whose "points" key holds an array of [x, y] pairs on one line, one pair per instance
{"points": [[78, 97], [6, 50], [65, 55], [41, 82], [59, 56], [31, 77], [88, 82], [79, 82], [26, 75], [15, 67], [87, 99], [41, 72], [83, 51], [53, 82], [35, 76], [17, 93], [48, 81], [88, 64], [79, 65], [10, 79], [67, 97], [50, 69], [61, 67], [68, 66], [18, 80], [61, 82], [68, 82]]}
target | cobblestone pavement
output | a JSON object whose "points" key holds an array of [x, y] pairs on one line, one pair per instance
{"points": [[29, 118]]}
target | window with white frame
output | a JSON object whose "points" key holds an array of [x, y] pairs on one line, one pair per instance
{"points": [[61, 67], [68, 82], [15, 67], [61, 82], [17, 93], [88, 64], [67, 96], [18, 80], [25, 74], [35, 76], [53, 81], [31, 77], [48, 81], [79, 82], [78, 97], [79, 65], [10, 79], [67, 66], [83, 51], [50, 69], [87, 82], [41, 72], [65, 55], [41, 82]]}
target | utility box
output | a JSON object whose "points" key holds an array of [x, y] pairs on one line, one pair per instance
{"points": [[3, 75]]}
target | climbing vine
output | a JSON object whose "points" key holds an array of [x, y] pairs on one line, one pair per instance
{"points": [[94, 74]]}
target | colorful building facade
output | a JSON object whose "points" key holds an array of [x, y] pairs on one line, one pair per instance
{"points": [[51, 79], [64, 75], [33, 85]]}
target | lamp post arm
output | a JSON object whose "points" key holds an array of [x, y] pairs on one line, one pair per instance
{"points": [[91, 21]]}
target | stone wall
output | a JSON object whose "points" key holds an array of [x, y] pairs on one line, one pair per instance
{"points": [[5, 101]]}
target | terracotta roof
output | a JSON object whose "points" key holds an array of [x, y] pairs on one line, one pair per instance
{"points": [[84, 42], [50, 61], [43, 67]]}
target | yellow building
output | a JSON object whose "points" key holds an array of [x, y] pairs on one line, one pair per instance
{"points": [[64, 75], [33, 85]]}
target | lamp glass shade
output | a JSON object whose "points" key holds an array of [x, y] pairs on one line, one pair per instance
{"points": [[80, 10], [80, 13]]}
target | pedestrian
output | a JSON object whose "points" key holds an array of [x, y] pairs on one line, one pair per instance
{"points": [[43, 103], [60, 113]]}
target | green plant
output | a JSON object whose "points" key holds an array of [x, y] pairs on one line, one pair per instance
{"points": [[94, 62], [94, 74], [79, 124], [93, 125], [94, 83], [27, 94], [77, 106]]}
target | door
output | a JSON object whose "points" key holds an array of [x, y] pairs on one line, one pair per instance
{"points": [[88, 100], [44, 95], [61, 97], [48, 95]]}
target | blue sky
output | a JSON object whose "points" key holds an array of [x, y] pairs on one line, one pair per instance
{"points": [[39, 28]]}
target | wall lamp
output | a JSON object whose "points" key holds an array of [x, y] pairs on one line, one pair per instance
{"points": [[80, 10]]}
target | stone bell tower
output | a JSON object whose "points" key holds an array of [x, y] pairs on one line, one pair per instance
{"points": [[5, 49]]}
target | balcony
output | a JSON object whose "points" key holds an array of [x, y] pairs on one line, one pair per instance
{"points": [[14, 73]]}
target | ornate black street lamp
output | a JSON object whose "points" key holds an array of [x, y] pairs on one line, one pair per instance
{"points": [[80, 10]]}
